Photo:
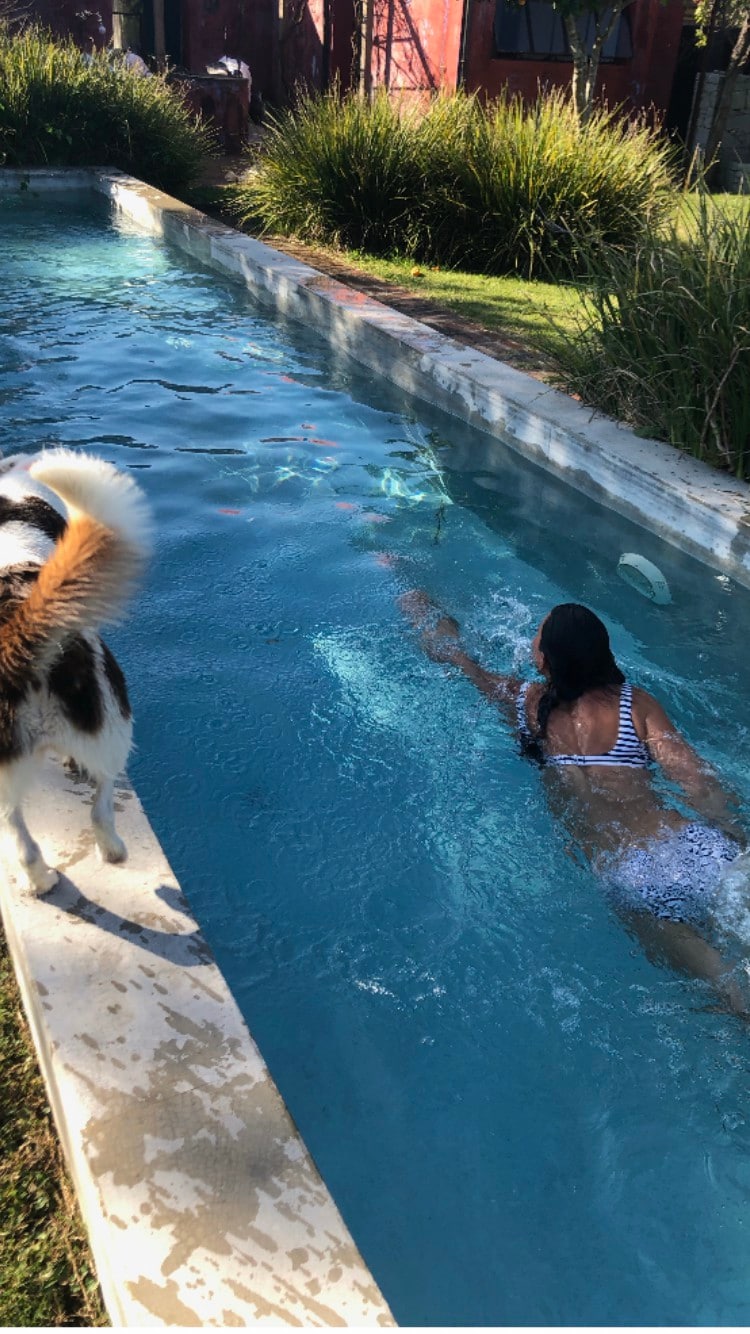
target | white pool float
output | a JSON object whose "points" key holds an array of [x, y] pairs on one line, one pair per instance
{"points": [[645, 577]]}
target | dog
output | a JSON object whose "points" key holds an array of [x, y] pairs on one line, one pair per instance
{"points": [[74, 536]]}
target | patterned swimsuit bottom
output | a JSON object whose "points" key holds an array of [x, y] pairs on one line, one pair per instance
{"points": [[675, 877]]}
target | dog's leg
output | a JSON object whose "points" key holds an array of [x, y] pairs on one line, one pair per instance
{"points": [[29, 855], [108, 841]]}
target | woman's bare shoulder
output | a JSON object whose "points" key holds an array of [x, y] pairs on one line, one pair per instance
{"points": [[642, 699], [648, 709]]}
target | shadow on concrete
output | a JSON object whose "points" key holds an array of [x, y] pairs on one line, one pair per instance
{"points": [[185, 950]]}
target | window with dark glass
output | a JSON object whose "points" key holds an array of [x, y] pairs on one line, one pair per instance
{"points": [[535, 31]]}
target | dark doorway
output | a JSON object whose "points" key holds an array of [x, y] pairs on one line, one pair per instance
{"points": [[172, 30]]}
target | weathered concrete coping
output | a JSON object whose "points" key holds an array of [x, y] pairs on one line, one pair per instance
{"points": [[690, 504], [202, 1204]]}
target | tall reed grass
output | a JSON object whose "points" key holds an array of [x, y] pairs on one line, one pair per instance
{"points": [[500, 188], [665, 339], [59, 107], [337, 171]]}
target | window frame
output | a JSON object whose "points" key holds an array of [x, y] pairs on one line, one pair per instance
{"points": [[537, 32]]}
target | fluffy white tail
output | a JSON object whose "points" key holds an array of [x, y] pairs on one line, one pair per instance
{"points": [[92, 569], [96, 489]]}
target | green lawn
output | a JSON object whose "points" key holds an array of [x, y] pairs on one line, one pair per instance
{"points": [[537, 315], [534, 313], [46, 1277], [734, 206]]}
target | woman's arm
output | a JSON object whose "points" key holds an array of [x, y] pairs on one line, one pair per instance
{"points": [[441, 641], [685, 767]]}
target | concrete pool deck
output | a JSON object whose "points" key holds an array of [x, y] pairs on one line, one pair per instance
{"points": [[202, 1204]]}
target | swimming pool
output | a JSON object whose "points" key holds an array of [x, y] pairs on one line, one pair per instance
{"points": [[521, 1119]]}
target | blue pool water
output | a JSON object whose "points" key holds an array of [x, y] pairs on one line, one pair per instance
{"points": [[522, 1120]]}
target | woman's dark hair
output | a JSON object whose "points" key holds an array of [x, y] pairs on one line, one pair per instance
{"points": [[575, 645]]}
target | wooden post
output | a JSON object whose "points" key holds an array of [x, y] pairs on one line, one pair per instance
{"points": [[160, 39], [365, 70], [126, 25]]}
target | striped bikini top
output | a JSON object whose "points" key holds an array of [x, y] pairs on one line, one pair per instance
{"points": [[628, 751]]}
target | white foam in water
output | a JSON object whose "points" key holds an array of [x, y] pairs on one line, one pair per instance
{"points": [[510, 624], [383, 702], [422, 711], [732, 903]]}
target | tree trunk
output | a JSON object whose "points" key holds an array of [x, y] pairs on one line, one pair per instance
{"points": [[585, 69], [740, 53], [586, 63], [698, 92]]}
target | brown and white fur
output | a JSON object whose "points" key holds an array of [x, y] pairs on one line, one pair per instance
{"points": [[65, 568]]}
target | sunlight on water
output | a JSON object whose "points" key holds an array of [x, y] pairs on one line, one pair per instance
{"points": [[522, 1119]]}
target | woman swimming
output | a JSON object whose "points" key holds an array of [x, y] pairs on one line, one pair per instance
{"points": [[597, 738]]}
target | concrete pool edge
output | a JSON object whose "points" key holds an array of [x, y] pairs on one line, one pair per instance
{"points": [[693, 506], [202, 1204]]}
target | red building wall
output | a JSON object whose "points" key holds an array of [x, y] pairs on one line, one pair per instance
{"points": [[416, 43], [640, 82]]}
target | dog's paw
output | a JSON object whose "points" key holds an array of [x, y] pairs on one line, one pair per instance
{"points": [[41, 876], [112, 850]]}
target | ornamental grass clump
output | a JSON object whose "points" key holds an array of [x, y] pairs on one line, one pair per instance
{"points": [[664, 343], [496, 188], [548, 184], [62, 108], [338, 171], [516, 188]]}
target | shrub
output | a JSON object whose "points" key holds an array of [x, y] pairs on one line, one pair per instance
{"points": [[494, 189], [665, 339], [339, 171], [535, 185], [59, 107]]}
